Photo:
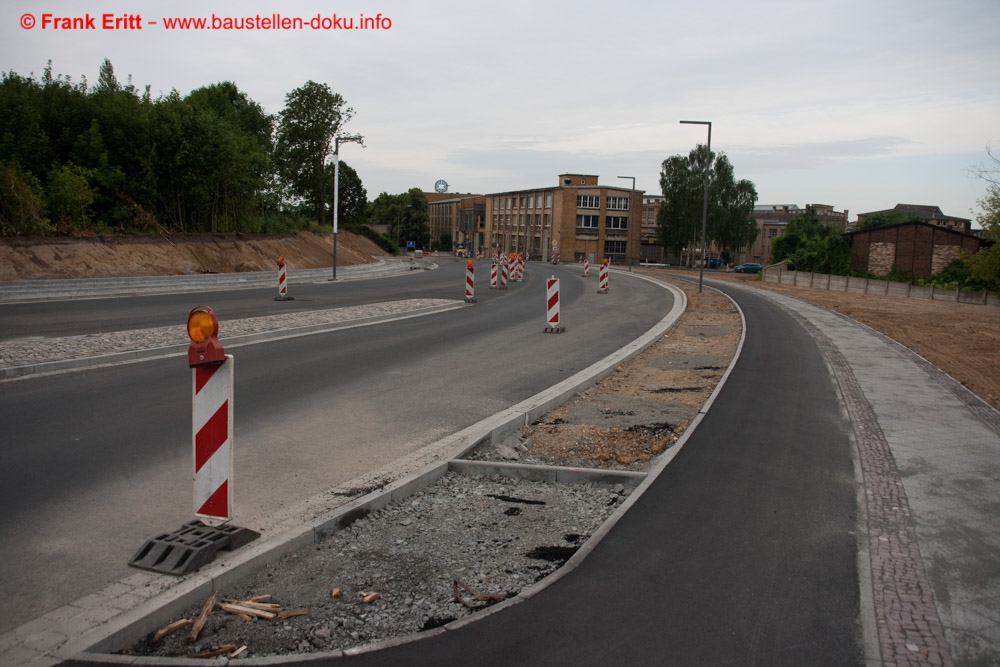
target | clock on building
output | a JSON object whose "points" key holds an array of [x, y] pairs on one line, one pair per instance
{"points": [[441, 185]]}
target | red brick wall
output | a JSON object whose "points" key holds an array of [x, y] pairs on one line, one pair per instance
{"points": [[914, 243]]}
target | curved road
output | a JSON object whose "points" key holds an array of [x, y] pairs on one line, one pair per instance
{"points": [[742, 552], [95, 462]]}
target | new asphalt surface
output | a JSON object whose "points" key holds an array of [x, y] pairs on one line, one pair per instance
{"points": [[836, 505]]}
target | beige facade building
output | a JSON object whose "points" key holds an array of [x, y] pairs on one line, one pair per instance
{"points": [[577, 217], [461, 217]]}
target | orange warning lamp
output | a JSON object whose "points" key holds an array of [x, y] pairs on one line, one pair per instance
{"points": [[203, 330], [468, 262]]}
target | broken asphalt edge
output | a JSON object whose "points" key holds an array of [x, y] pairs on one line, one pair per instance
{"points": [[132, 625]]}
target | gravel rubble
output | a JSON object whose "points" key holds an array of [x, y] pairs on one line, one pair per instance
{"points": [[494, 535]]}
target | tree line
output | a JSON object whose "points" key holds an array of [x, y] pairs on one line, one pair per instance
{"points": [[81, 159], [808, 242]]}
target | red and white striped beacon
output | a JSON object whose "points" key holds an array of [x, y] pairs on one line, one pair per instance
{"points": [[470, 281], [282, 281], [603, 278], [553, 323], [212, 416]]}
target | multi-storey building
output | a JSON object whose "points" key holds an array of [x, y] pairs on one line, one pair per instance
{"points": [[772, 219], [461, 217], [576, 218]]}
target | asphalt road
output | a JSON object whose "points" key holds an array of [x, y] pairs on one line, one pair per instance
{"points": [[742, 552], [95, 462], [83, 316]]}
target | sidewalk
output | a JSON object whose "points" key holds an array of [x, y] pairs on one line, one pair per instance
{"points": [[930, 456]]}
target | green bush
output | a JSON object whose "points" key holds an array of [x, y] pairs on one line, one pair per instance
{"points": [[22, 208], [383, 241]]}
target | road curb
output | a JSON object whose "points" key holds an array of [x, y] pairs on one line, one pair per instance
{"points": [[132, 625]]}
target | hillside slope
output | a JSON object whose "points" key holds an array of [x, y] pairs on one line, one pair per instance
{"points": [[117, 256]]}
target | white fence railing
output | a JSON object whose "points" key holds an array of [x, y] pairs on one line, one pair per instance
{"points": [[781, 275]]}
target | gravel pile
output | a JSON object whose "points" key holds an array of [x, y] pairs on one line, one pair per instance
{"points": [[486, 538]]}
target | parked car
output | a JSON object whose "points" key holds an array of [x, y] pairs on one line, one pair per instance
{"points": [[751, 267]]}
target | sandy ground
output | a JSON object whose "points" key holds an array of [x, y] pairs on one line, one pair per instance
{"points": [[961, 339], [119, 256]]}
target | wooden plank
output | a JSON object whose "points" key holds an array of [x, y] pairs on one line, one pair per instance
{"points": [[199, 624]]}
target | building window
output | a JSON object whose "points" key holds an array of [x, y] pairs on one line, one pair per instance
{"points": [[531, 201], [618, 222], [587, 222], [588, 201], [548, 219], [614, 247], [548, 200], [508, 202], [522, 220], [771, 233], [618, 203]]}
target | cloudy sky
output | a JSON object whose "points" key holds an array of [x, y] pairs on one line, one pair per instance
{"points": [[858, 104]]}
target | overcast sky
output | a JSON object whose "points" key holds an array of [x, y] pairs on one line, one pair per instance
{"points": [[858, 104]]}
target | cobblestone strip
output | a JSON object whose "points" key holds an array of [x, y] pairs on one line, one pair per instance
{"points": [[35, 350], [909, 627]]}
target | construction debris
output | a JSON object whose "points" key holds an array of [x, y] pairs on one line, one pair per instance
{"points": [[368, 598], [244, 610], [214, 652], [487, 599], [171, 629], [199, 623]]}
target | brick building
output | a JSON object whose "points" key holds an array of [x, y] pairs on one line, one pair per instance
{"points": [[461, 217], [919, 248], [577, 216], [932, 215], [772, 220], [649, 248]]}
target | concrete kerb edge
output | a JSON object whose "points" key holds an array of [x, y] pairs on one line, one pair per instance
{"points": [[132, 625], [659, 465]]}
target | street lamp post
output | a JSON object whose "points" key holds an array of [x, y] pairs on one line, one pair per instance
{"points": [[704, 210], [631, 221], [336, 187]]}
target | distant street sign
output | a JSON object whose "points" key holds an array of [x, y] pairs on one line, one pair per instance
{"points": [[411, 244]]}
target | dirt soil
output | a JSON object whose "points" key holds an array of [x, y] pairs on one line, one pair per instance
{"points": [[961, 339], [177, 254]]}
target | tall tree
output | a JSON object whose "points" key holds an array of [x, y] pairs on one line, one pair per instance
{"points": [[730, 202], [985, 264], [352, 208], [312, 116]]}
